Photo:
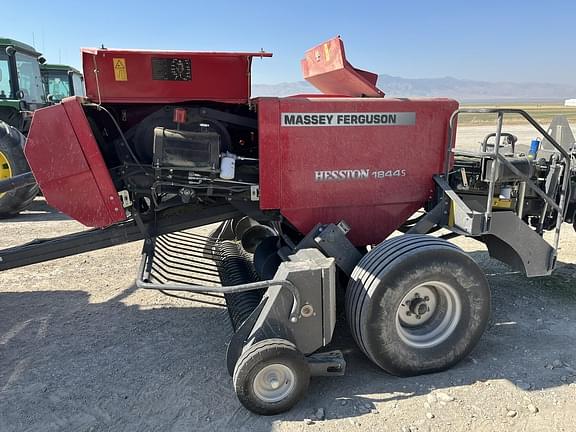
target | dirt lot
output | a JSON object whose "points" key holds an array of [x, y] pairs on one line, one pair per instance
{"points": [[81, 349]]}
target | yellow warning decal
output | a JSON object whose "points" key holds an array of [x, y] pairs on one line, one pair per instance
{"points": [[120, 73]]}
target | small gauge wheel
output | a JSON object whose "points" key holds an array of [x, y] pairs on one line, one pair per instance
{"points": [[271, 376]]}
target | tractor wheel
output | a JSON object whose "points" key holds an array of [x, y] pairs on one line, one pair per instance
{"points": [[417, 304], [271, 376], [13, 162]]}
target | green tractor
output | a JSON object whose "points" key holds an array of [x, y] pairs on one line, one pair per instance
{"points": [[26, 84], [61, 81], [21, 93]]}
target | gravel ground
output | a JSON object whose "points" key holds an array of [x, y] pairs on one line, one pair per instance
{"points": [[81, 349]]}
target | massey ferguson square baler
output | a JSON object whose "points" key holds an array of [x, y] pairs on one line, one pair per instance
{"points": [[308, 190]]}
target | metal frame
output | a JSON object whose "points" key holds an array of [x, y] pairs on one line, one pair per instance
{"points": [[11, 70], [298, 302], [499, 159], [135, 229], [144, 281]]}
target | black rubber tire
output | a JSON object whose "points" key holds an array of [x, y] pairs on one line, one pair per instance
{"points": [[259, 355], [11, 146], [386, 274]]}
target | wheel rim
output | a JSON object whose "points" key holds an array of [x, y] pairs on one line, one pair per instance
{"points": [[428, 314], [274, 383], [5, 169]]}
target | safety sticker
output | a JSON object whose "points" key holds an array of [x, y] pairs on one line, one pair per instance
{"points": [[120, 73]]}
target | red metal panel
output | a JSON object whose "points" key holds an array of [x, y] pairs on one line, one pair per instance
{"points": [[133, 76], [326, 68], [69, 167], [393, 162], [269, 148]]}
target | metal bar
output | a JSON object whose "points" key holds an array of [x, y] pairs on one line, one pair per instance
{"points": [[165, 222], [494, 173], [172, 252], [429, 221], [521, 199], [164, 268], [554, 173], [473, 153], [445, 186], [252, 286], [191, 236], [450, 143], [17, 181], [194, 240], [561, 213]]}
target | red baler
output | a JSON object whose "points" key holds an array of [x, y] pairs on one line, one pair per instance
{"points": [[308, 190]]}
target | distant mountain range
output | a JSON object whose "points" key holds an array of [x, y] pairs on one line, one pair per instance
{"points": [[463, 90]]}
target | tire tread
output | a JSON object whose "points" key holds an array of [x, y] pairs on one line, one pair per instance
{"points": [[373, 268]]}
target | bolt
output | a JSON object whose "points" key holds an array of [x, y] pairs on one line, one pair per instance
{"points": [[408, 313], [307, 311], [417, 316], [426, 298], [416, 295]]}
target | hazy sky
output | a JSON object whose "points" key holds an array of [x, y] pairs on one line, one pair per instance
{"points": [[482, 40]]}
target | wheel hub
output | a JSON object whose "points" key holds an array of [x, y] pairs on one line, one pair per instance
{"points": [[428, 314], [5, 169], [274, 382], [418, 306]]}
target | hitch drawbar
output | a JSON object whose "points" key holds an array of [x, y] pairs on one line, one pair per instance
{"points": [[272, 353], [18, 181]]}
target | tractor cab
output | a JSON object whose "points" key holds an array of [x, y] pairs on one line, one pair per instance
{"points": [[61, 81], [21, 88]]}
